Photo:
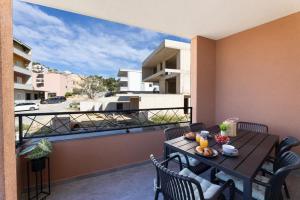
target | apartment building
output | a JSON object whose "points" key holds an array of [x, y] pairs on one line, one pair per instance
{"points": [[169, 66], [52, 82], [131, 80], [23, 88]]}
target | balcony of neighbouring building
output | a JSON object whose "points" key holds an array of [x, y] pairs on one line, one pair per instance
{"points": [[22, 70], [123, 79], [22, 54], [164, 73], [21, 86]]}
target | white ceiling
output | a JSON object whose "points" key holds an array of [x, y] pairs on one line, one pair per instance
{"points": [[213, 19]]}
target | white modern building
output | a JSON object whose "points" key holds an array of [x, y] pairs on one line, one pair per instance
{"points": [[169, 66], [23, 88], [131, 80]]}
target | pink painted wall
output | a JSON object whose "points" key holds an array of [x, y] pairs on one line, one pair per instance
{"points": [[79, 157], [55, 83], [258, 76]]}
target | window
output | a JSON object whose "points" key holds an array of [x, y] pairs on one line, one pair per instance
{"points": [[28, 96], [18, 63], [19, 96], [40, 85], [36, 96], [51, 95], [150, 85], [40, 76], [19, 79]]}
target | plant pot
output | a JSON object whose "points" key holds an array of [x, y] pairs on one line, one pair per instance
{"points": [[223, 133], [38, 164]]}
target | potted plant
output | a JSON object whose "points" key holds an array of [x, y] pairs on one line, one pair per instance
{"points": [[37, 153], [223, 128]]}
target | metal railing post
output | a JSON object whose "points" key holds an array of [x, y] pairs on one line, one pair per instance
{"points": [[20, 129]]}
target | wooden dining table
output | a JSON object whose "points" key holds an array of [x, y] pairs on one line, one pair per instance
{"points": [[253, 149]]}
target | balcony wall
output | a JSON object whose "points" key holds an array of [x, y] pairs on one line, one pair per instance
{"points": [[255, 73], [79, 157]]}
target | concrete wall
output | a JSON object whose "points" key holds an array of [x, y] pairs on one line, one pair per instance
{"points": [[185, 65], [78, 157], [134, 81], [258, 76]]}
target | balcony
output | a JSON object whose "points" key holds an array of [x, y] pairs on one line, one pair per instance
{"points": [[22, 54], [111, 159], [21, 86], [123, 79], [123, 88], [22, 70], [166, 73]]}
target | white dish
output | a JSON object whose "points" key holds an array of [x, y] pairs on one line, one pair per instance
{"points": [[229, 149]]}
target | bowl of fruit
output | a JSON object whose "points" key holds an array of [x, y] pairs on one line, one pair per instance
{"points": [[222, 139]]}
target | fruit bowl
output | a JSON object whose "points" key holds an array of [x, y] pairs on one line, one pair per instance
{"points": [[220, 139]]}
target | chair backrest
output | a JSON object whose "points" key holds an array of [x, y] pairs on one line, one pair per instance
{"points": [[288, 162], [250, 126], [175, 132], [174, 186], [197, 127], [214, 129], [287, 144]]}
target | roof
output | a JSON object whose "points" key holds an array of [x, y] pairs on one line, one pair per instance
{"points": [[122, 70], [166, 49]]}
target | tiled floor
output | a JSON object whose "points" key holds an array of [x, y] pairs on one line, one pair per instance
{"points": [[135, 183]]}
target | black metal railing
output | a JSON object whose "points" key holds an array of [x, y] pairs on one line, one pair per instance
{"points": [[38, 125]]}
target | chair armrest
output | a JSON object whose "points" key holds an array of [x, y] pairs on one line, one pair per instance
{"points": [[261, 183], [165, 162], [187, 161], [270, 159]]}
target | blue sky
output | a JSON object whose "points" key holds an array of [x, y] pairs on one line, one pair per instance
{"points": [[80, 44]]}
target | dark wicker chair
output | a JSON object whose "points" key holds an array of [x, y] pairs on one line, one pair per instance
{"points": [[194, 165], [186, 185], [197, 127], [250, 126], [214, 129], [265, 188], [269, 166]]}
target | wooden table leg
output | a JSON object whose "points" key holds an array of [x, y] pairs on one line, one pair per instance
{"points": [[247, 189]]}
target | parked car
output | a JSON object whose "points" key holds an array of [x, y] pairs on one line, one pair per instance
{"points": [[26, 106], [54, 100]]}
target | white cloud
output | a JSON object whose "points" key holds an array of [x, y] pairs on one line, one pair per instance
{"points": [[89, 48]]}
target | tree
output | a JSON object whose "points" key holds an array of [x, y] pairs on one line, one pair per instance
{"points": [[111, 84], [92, 85]]}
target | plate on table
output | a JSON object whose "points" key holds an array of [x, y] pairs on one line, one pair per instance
{"points": [[229, 154], [190, 136], [206, 152]]}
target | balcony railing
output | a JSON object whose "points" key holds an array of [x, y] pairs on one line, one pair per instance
{"points": [[24, 55], [38, 125], [21, 86], [22, 70]]}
